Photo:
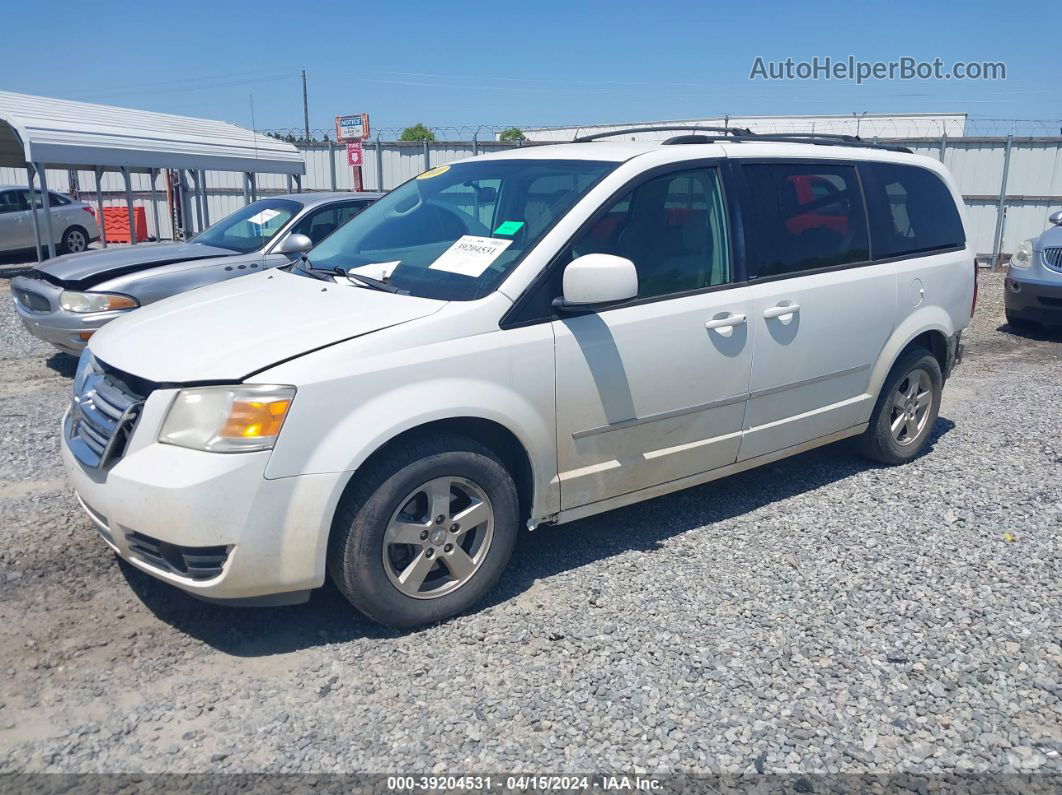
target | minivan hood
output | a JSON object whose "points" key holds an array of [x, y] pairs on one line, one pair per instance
{"points": [[227, 331], [81, 271]]}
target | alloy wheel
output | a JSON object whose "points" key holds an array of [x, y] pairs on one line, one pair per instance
{"points": [[438, 538], [911, 403]]}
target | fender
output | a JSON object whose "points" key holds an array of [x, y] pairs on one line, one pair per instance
{"points": [[921, 320]]}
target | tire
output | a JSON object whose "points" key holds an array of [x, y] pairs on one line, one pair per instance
{"points": [[1015, 321], [74, 240], [387, 526], [879, 442]]}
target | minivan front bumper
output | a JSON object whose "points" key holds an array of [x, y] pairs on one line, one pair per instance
{"points": [[211, 524]]}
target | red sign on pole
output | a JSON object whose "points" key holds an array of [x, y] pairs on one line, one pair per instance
{"points": [[354, 153]]}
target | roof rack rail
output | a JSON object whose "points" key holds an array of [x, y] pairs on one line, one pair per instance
{"points": [[734, 131], [824, 139]]}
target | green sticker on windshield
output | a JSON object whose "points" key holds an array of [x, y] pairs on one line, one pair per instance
{"points": [[508, 227]]}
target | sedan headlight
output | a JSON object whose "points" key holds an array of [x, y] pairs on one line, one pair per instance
{"points": [[227, 419], [1023, 255], [82, 303]]}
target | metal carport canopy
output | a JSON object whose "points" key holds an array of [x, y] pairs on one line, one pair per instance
{"points": [[67, 134]]}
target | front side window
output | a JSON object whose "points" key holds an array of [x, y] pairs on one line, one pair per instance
{"points": [[673, 228], [804, 216], [917, 211], [458, 230], [250, 227]]}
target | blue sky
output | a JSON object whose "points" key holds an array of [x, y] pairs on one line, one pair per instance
{"points": [[537, 63]]}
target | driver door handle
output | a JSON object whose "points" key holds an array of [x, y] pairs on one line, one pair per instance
{"points": [[781, 310], [726, 322]]}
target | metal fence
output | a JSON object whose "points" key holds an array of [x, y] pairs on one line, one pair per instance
{"points": [[1010, 184]]}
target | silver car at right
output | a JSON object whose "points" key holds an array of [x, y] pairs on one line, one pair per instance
{"points": [[1033, 287]]}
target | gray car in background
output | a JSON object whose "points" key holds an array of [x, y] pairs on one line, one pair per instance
{"points": [[73, 222], [64, 300], [1032, 292]]}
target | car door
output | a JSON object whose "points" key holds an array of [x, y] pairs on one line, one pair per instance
{"points": [[822, 311], [654, 390], [13, 226]]}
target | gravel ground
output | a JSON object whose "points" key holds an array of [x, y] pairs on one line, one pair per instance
{"points": [[817, 615]]}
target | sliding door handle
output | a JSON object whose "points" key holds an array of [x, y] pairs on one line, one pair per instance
{"points": [[726, 322], [782, 310]]}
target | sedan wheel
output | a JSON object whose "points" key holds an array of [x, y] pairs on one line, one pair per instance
{"points": [[74, 241]]}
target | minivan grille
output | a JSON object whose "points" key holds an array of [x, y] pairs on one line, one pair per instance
{"points": [[1053, 256], [196, 563], [101, 419]]}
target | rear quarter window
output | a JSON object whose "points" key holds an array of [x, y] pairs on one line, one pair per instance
{"points": [[911, 211]]}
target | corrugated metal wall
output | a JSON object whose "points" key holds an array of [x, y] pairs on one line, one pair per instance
{"points": [[1033, 189]]}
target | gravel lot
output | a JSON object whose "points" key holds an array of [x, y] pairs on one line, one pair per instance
{"points": [[817, 615]]}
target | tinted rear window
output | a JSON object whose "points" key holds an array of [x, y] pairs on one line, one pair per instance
{"points": [[913, 211], [804, 216]]}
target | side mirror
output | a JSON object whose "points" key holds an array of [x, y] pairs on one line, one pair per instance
{"points": [[595, 280], [294, 244], [1055, 218]]}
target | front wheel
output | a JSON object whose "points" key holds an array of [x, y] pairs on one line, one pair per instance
{"points": [[906, 409], [425, 532]]}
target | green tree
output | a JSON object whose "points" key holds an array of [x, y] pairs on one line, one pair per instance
{"points": [[512, 135], [417, 132]]}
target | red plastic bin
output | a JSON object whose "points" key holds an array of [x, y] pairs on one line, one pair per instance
{"points": [[116, 224]]}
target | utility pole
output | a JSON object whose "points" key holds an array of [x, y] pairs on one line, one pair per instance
{"points": [[305, 107]]}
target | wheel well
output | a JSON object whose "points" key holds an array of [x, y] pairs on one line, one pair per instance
{"points": [[933, 341], [492, 435]]}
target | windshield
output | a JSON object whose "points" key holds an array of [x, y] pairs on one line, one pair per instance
{"points": [[250, 227], [455, 232]]}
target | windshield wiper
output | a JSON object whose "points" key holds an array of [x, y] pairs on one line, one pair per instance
{"points": [[362, 281], [303, 264]]}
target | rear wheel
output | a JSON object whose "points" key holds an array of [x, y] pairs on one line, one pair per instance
{"points": [[906, 409], [425, 532], [75, 240]]}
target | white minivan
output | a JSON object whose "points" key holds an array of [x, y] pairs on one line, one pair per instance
{"points": [[521, 338]]}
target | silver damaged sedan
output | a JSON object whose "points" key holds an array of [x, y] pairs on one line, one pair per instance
{"points": [[64, 300]]}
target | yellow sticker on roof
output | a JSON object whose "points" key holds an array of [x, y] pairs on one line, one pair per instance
{"points": [[434, 172]]}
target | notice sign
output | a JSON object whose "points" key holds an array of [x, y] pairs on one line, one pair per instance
{"points": [[471, 255], [352, 128], [354, 153]]}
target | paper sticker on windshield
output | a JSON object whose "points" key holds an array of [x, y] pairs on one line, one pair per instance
{"points": [[508, 227], [377, 270], [471, 255], [434, 172], [263, 218]]}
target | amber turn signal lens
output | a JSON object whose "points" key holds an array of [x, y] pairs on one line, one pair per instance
{"points": [[250, 419], [84, 335]]}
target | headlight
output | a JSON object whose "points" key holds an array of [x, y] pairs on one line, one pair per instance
{"points": [[95, 302], [227, 419], [1023, 255]]}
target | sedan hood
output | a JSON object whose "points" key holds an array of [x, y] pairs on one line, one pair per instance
{"points": [[81, 271], [228, 331]]}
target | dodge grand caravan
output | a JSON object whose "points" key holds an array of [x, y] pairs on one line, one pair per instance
{"points": [[522, 338]]}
